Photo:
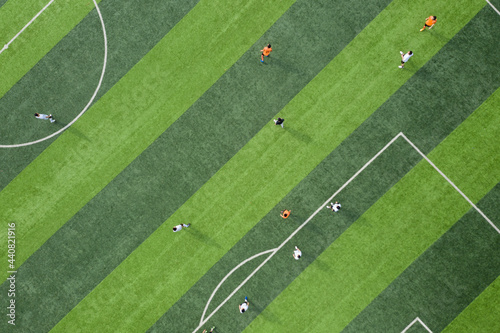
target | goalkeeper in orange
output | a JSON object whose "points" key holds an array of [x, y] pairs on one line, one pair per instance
{"points": [[265, 52], [429, 22]]}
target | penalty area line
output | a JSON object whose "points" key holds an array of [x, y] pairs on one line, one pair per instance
{"points": [[274, 251], [413, 322], [451, 183], [496, 10]]}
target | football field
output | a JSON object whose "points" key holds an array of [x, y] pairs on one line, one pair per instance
{"points": [[164, 116]]}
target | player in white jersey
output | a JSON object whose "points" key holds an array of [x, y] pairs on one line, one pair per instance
{"points": [[405, 57], [180, 226], [244, 306], [45, 117], [297, 253], [335, 207]]}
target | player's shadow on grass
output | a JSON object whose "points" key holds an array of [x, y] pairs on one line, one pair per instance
{"points": [[267, 315], [439, 36], [286, 66], [193, 232], [299, 135], [72, 130]]}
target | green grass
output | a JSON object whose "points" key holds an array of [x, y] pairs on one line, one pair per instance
{"points": [[53, 24], [86, 167], [72, 69], [481, 315], [216, 211], [118, 178], [350, 290], [442, 281]]}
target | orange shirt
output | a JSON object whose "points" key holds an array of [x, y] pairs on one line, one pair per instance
{"points": [[267, 50], [285, 214], [430, 21]]}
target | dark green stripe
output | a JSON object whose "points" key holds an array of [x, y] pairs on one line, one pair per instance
{"points": [[427, 108], [65, 79], [444, 280], [195, 147]]}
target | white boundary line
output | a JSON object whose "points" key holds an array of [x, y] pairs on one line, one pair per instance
{"points": [[413, 322], [496, 10], [451, 183], [91, 99], [6, 46], [275, 250]]}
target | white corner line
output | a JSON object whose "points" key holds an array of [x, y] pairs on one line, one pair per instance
{"points": [[228, 275], [496, 10], [6, 46], [91, 99], [413, 322], [451, 183]]}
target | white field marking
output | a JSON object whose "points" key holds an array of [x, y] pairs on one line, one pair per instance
{"points": [[274, 251], [6, 46], [452, 184], [496, 10], [91, 99], [228, 275], [413, 322]]}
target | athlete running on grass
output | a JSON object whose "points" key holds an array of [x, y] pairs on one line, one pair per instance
{"points": [[429, 22], [265, 52]]}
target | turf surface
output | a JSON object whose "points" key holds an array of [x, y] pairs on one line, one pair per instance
{"points": [[73, 67], [286, 312], [481, 315], [86, 167], [235, 213], [53, 24], [442, 281]]}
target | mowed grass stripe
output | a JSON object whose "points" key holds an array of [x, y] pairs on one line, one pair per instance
{"points": [[457, 268], [443, 281], [161, 87], [64, 80], [201, 164], [224, 217], [416, 122], [272, 230], [366, 258], [39, 38], [481, 315]]}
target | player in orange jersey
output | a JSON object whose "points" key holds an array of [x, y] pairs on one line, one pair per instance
{"points": [[265, 52], [429, 22], [285, 213]]}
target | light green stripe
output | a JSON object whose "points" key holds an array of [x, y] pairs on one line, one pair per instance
{"points": [[254, 180], [482, 315], [364, 261], [39, 38], [132, 115]]}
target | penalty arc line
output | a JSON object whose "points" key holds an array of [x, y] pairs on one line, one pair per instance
{"points": [[451, 183], [228, 275], [91, 99], [6, 46], [202, 322]]}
